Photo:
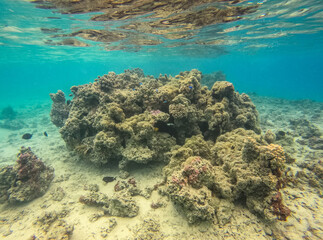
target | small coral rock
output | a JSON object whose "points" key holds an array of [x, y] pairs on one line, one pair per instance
{"points": [[121, 204], [27, 180], [60, 108]]}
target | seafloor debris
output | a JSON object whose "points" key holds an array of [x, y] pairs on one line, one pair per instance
{"points": [[25, 181], [119, 204], [209, 139]]}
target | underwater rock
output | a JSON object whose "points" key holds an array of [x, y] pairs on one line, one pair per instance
{"points": [[27, 180], [209, 138], [51, 225], [131, 117], [316, 143], [121, 204], [97, 199], [7, 177], [60, 108], [148, 229], [58, 194], [270, 137], [304, 128], [240, 166], [314, 174]]}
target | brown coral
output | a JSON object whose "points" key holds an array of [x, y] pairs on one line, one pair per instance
{"points": [[278, 208], [131, 117]]}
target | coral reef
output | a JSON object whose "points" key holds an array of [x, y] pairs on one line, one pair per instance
{"points": [[240, 166], [60, 109], [209, 138], [27, 180], [135, 118]]}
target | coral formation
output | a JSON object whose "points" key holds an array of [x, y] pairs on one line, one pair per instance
{"points": [[135, 118], [209, 139], [119, 204], [27, 180], [240, 166], [60, 108]]}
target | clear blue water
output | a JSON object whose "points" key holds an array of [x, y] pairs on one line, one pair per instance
{"points": [[276, 51]]}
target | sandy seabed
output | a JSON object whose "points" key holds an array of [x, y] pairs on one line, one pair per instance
{"points": [[60, 208]]}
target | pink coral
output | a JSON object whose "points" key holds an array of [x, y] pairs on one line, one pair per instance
{"points": [[155, 112]]}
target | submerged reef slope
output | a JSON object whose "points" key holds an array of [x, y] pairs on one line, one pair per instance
{"points": [[209, 140], [28, 179]]}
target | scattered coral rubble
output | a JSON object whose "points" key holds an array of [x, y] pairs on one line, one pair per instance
{"points": [[209, 139]]}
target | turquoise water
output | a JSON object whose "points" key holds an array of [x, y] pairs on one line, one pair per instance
{"points": [[132, 129], [276, 51]]}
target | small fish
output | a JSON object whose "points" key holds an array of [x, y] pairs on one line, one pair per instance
{"points": [[133, 89], [109, 179], [170, 124], [156, 129], [140, 83], [27, 136], [190, 87], [45, 134], [165, 101]]}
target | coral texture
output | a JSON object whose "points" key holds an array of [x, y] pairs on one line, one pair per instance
{"points": [[27, 180], [240, 166], [210, 140], [131, 117], [60, 108]]}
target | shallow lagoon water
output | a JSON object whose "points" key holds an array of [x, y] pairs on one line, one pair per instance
{"points": [[273, 53]]}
